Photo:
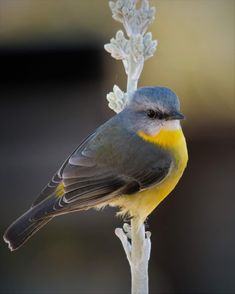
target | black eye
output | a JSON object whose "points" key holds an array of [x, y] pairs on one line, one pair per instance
{"points": [[151, 113], [155, 114]]}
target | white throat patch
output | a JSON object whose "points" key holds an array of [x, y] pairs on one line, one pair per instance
{"points": [[169, 125]]}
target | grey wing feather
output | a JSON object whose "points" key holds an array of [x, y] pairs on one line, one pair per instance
{"points": [[51, 187], [101, 169], [49, 190]]}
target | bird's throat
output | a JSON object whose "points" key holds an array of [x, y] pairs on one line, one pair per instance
{"points": [[165, 138]]}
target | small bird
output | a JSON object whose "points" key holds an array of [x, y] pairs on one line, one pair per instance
{"points": [[133, 161]]}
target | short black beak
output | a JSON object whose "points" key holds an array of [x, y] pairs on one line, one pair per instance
{"points": [[175, 115]]}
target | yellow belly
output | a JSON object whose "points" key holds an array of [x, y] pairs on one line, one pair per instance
{"points": [[141, 204]]}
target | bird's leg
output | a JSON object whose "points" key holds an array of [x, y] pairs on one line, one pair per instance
{"points": [[146, 225]]}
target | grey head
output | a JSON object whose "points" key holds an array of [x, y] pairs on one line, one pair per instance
{"points": [[153, 108]]}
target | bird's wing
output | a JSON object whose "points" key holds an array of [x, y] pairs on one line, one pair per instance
{"points": [[110, 163], [56, 180]]}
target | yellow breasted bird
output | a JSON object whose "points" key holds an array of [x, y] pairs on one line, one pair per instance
{"points": [[133, 161]]}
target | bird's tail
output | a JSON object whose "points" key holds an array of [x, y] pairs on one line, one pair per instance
{"points": [[23, 228]]}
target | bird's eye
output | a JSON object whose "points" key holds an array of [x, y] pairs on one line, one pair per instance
{"points": [[155, 114], [151, 113]]}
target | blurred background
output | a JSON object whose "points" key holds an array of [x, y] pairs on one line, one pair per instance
{"points": [[54, 77]]}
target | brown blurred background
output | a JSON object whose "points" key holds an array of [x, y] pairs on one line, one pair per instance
{"points": [[54, 77]]}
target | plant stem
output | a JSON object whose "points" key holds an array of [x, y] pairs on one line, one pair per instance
{"points": [[131, 84], [140, 252], [133, 53], [133, 74]]}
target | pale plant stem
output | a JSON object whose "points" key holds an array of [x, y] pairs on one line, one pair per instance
{"points": [[138, 253], [138, 256], [132, 82], [133, 53], [139, 259]]}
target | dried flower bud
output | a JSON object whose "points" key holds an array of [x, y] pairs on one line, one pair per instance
{"points": [[117, 99]]}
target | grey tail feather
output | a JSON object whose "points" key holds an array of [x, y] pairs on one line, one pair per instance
{"points": [[22, 229]]}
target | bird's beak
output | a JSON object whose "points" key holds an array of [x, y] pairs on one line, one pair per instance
{"points": [[175, 115]]}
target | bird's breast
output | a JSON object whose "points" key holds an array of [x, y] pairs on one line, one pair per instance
{"points": [[143, 203]]}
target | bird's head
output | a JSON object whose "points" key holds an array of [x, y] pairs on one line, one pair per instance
{"points": [[152, 109]]}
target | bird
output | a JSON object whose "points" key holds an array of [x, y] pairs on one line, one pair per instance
{"points": [[132, 162]]}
